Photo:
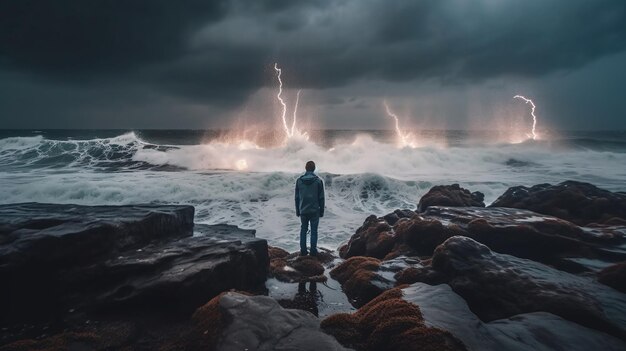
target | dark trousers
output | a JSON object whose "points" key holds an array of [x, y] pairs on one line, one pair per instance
{"points": [[305, 220]]}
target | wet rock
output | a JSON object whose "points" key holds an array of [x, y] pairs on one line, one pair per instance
{"points": [[498, 286], [577, 202], [62, 258], [34, 235], [388, 323], [359, 279], [294, 268], [614, 276], [518, 232], [234, 321], [364, 278], [441, 308], [109, 337], [450, 196]]}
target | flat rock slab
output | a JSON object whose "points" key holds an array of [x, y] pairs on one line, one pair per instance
{"points": [[35, 234], [444, 309], [61, 258]]}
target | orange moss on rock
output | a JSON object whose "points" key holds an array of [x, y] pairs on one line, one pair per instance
{"points": [[388, 322], [210, 322], [356, 276], [308, 266], [276, 252]]}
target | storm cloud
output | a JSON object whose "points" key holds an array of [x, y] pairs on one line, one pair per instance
{"points": [[218, 53]]}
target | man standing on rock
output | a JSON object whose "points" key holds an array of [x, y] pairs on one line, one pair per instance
{"points": [[309, 206]]}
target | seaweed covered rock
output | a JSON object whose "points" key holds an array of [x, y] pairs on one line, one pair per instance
{"points": [[442, 308], [388, 323], [577, 202], [359, 280], [450, 196], [293, 268], [518, 232]]}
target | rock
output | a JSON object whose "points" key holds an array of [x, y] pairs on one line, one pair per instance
{"points": [[108, 337], [62, 258], [388, 323], [34, 235], [185, 272], [364, 278], [450, 196], [441, 308], [294, 268], [498, 286], [518, 232], [614, 276], [234, 321], [577, 202], [359, 280], [276, 252]]}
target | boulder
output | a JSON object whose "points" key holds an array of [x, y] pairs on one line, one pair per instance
{"points": [[450, 196], [364, 278], [499, 286], [234, 321], [293, 268], [577, 202], [443, 309], [517, 232], [62, 258], [359, 280], [388, 323]]}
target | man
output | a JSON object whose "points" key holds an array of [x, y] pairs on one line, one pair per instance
{"points": [[309, 206]]}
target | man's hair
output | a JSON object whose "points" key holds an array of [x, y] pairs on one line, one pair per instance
{"points": [[310, 166]]}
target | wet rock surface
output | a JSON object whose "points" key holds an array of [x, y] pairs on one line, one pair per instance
{"points": [[234, 321], [293, 268], [442, 308], [577, 202], [614, 276], [518, 232], [450, 196], [139, 258], [498, 286], [389, 322]]}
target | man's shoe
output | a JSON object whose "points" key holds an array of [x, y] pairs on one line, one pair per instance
{"points": [[303, 253], [313, 253]]}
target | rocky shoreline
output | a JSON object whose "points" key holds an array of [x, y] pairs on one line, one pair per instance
{"points": [[542, 268]]}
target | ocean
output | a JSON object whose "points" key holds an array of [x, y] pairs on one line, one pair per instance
{"points": [[247, 179]]}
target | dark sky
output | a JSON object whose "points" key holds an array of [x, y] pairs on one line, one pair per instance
{"points": [[209, 64]]}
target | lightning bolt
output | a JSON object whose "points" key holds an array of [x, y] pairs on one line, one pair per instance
{"points": [[282, 102], [402, 137], [532, 113], [295, 111], [290, 132]]}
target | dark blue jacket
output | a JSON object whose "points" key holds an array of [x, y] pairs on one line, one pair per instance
{"points": [[309, 195]]}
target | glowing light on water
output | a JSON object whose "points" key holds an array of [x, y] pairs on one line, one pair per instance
{"points": [[404, 139], [289, 132], [532, 113]]}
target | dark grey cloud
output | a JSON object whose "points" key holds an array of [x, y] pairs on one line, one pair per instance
{"points": [[74, 37], [219, 52]]}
